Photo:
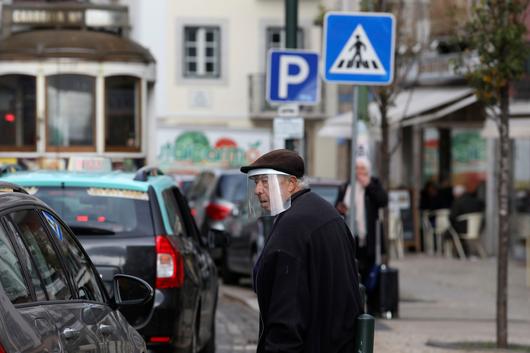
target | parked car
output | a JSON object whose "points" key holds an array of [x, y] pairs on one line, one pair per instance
{"points": [[329, 189], [184, 182], [218, 198], [140, 224], [51, 297]]}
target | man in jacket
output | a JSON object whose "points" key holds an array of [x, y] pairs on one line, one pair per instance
{"points": [[306, 276]]}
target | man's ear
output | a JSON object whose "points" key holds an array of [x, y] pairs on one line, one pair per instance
{"points": [[293, 183]]}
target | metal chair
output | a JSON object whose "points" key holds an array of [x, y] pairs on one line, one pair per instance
{"points": [[441, 225], [428, 232], [472, 235], [395, 234]]}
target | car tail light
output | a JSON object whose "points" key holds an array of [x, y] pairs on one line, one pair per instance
{"points": [[218, 211], [162, 339], [169, 264], [2, 350]]}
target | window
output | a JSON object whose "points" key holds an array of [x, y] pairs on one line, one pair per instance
{"points": [[71, 118], [122, 113], [202, 47], [275, 38], [10, 272], [43, 254], [84, 277], [101, 211], [17, 113], [173, 211]]}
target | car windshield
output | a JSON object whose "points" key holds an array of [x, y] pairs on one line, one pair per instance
{"points": [[100, 211], [327, 192]]}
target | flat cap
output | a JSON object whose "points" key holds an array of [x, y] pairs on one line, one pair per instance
{"points": [[282, 160]]}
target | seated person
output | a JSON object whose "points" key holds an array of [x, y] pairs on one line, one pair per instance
{"points": [[465, 201]]}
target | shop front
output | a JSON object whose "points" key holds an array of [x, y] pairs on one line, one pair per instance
{"points": [[72, 84]]}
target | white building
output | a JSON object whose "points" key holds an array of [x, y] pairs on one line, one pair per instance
{"points": [[211, 58]]}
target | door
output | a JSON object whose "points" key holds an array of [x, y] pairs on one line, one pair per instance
{"points": [[91, 299], [205, 266], [25, 324], [198, 269], [61, 304]]}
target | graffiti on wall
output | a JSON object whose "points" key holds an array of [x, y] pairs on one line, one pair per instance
{"points": [[198, 149]]}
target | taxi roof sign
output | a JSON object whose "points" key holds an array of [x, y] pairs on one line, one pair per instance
{"points": [[89, 164]]}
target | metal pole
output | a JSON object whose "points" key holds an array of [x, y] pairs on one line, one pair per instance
{"points": [[353, 155], [291, 23]]}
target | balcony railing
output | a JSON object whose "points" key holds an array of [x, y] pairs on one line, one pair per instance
{"points": [[260, 108], [432, 68]]}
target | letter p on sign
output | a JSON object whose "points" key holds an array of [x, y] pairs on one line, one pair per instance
{"points": [[292, 77]]}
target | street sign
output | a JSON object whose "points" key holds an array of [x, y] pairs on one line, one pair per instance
{"points": [[359, 48], [292, 77]]}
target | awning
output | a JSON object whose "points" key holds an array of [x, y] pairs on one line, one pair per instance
{"points": [[418, 101], [412, 106], [340, 127], [519, 128], [87, 45]]}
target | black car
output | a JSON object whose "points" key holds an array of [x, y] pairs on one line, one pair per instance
{"points": [[140, 224], [51, 297], [218, 198]]}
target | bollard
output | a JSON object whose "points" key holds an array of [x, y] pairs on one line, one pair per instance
{"points": [[364, 335]]}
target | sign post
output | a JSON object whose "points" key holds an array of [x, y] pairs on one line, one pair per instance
{"points": [[292, 79], [358, 50]]}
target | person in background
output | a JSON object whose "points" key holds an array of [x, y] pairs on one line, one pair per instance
{"points": [[369, 198], [465, 201], [306, 276]]}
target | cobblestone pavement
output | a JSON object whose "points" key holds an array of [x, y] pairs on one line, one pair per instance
{"points": [[442, 302], [236, 327]]}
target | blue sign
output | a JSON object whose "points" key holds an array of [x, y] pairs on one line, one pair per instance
{"points": [[292, 77], [359, 48]]}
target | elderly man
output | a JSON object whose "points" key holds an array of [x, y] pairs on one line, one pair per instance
{"points": [[306, 276]]}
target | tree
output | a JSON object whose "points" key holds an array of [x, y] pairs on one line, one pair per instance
{"points": [[494, 35], [385, 96]]}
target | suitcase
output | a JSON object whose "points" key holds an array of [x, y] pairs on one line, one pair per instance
{"points": [[387, 289], [388, 292]]}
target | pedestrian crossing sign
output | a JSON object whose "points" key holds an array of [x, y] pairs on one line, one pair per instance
{"points": [[359, 48]]}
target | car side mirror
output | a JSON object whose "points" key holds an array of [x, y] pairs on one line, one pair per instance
{"points": [[217, 239], [130, 290]]}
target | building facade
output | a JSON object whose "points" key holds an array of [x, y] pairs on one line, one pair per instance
{"points": [[72, 83], [211, 66]]}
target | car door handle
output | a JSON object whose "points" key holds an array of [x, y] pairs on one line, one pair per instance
{"points": [[70, 333], [106, 330]]}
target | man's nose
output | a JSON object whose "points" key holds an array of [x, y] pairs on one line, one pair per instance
{"points": [[258, 189]]}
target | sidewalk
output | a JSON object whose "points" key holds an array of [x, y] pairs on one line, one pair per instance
{"points": [[443, 301]]}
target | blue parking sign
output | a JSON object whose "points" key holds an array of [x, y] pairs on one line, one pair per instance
{"points": [[292, 77], [359, 48]]}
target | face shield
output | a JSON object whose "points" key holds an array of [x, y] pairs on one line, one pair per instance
{"points": [[268, 192]]}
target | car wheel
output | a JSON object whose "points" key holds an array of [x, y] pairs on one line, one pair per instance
{"points": [[210, 345]]}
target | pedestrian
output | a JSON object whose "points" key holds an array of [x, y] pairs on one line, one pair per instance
{"points": [[306, 277]]}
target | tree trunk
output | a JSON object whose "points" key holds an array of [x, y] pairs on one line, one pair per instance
{"points": [[504, 218]]}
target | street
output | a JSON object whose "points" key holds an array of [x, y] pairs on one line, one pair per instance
{"points": [[443, 302], [236, 325]]}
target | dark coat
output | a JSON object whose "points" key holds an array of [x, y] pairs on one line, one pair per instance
{"points": [[466, 203], [307, 282], [375, 197]]}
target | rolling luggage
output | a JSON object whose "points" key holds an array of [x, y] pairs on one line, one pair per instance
{"points": [[388, 292], [387, 288]]}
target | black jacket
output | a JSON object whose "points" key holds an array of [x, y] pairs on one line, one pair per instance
{"points": [[307, 282], [375, 197]]}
